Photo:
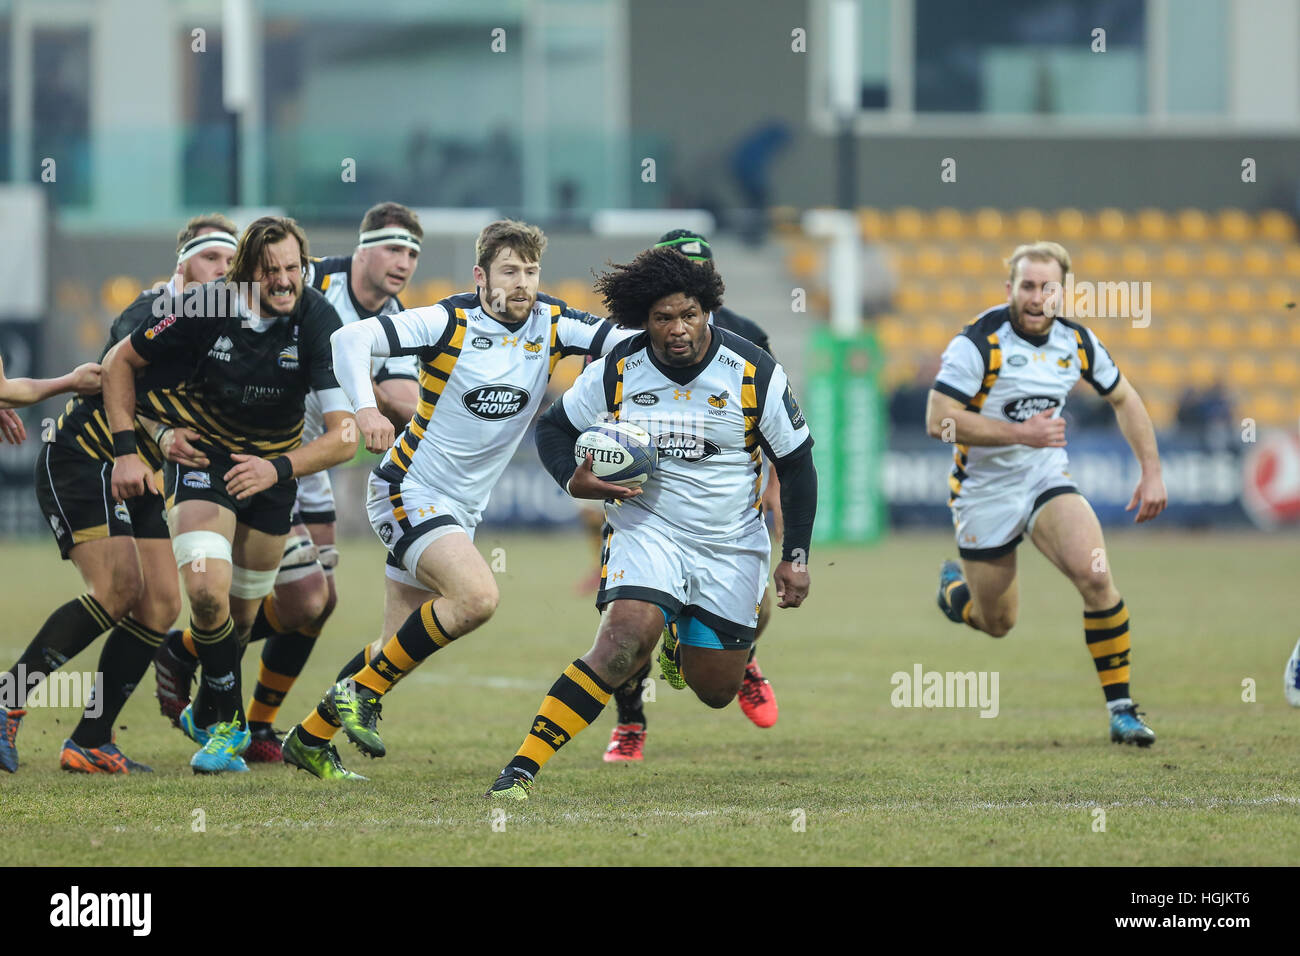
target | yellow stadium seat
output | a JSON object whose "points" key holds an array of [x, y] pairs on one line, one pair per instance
{"points": [[1235, 225], [1152, 225], [1093, 264], [931, 261], [1112, 225], [1164, 371], [1134, 264], [949, 223], [952, 297], [1221, 334], [912, 297], [873, 224], [1275, 224], [117, 292], [1259, 262], [1263, 333], [1201, 371], [1176, 262], [1291, 262], [991, 294], [989, 224], [1266, 407], [1070, 224], [1281, 295], [1217, 263], [1181, 333], [908, 223], [1284, 370], [972, 262], [1162, 298], [1160, 409], [1242, 370], [893, 332], [1193, 225], [935, 334], [428, 292], [803, 262], [1029, 225], [1199, 297], [1239, 297]]}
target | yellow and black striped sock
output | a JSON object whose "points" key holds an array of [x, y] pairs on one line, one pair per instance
{"points": [[419, 636], [283, 658], [1109, 643], [958, 595], [574, 701], [358, 661], [320, 726]]}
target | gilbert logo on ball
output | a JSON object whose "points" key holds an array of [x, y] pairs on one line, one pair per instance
{"points": [[621, 453], [1270, 480]]}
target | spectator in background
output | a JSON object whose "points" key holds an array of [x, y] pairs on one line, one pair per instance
{"points": [[751, 163], [1207, 415]]}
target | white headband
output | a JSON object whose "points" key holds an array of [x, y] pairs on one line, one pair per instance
{"points": [[206, 241], [389, 236]]}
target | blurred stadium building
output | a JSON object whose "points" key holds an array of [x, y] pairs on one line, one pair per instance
{"points": [[1159, 140]]}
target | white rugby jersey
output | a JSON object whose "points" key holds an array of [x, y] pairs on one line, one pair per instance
{"points": [[332, 275], [708, 429], [481, 382], [1013, 376]]}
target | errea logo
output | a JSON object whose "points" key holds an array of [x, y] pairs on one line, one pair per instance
{"points": [[221, 349]]}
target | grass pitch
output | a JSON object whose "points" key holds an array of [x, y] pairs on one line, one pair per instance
{"points": [[843, 778]]}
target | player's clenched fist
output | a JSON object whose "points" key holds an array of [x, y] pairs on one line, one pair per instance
{"points": [[86, 379], [131, 478], [1043, 431], [792, 583], [376, 430]]}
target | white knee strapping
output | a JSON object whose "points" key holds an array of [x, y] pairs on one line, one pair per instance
{"points": [[252, 585], [195, 546], [328, 555]]}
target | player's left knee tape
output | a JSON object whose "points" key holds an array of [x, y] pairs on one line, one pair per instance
{"points": [[252, 585], [328, 556], [300, 559]]}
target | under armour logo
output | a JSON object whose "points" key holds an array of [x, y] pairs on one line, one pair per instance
{"points": [[509, 340], [680, 393], [616, 576], [541, 727]]}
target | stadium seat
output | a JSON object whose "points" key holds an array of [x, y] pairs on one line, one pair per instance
{"points": [[931, 262], [949, 224], [117, 292], [1134, 264], [909, 223], [1292, 331], [1291, 262], [1276, 225], [1281, 296], [428, 292], [1221, 334], [1164, 371], [1152, 225], [1162, 297], [1263, 334], [1243, 371], [803, 261], [1094, 264], [1029, 225], [1181, 333], [1175, 262], [1112, 225], [972, 262], [1160, 408], [1284, 370], [1199, 297], [1268, 408], [989, 224], [873, 224], [1201, 371], [1193, 225], [1217, 262], [1234, 225], [912, 297], [1260, 262], [892, 332], [935, 334], [1240, 297], [952, 297], [1070, 225]]}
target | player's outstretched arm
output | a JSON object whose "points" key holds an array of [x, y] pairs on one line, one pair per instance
{"points": [[21, 392], [131, 476], [1150, 496], [948, 419]]}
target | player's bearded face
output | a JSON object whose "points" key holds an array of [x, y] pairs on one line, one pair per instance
{"points": [[1034, 296], [679, 330], [510, 285], [279, 278], [389, 268]]}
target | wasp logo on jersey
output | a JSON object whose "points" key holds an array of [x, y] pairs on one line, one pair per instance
{"points": [[685, 446], [482, 343], [495, 402], [1023, 409], [1063, 362], [645, 398], [533, 345], [288, 358], [719, 400]]}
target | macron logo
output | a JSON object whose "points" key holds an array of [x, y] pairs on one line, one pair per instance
{"points": [[76, 909]]}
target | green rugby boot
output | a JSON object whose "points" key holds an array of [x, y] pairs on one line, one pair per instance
{"points": [[357, 709], [322, 762], [511, 785], [670, 659]]}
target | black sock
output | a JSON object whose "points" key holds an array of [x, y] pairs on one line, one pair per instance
{"points": [[262, 628], [124, 660], [360, 660], [65, 634], [219, 695], [627, 698]]}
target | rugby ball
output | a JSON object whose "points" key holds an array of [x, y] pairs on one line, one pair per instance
{"points": [[621, 453]]}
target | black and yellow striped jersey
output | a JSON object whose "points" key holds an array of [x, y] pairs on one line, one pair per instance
{"points": [[245, 378], [83, 425]]}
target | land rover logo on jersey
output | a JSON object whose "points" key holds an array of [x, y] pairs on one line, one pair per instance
{"points": [[221, 349], [482, 343], [1023, 409], [645, 398], [288, 357], [686, 447], [1017, 360], [495, 402]]}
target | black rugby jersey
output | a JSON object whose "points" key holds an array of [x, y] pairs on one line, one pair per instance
{"points": [[245, 388], [83, 425], [725, 318]]}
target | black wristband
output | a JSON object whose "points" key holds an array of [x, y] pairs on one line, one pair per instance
{"points": [[283, 467], [124, 443]]}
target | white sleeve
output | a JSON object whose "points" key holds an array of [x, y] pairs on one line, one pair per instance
{"points": [[961, 370], [333, 400], [781, 421], [415, 329], [353, 345], [584, 402], [1104, 374]]}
